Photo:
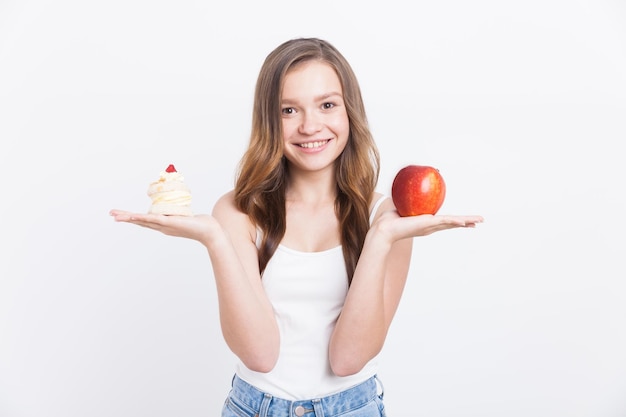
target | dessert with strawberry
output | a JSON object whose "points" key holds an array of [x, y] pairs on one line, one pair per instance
{"points": [[170, 195]]}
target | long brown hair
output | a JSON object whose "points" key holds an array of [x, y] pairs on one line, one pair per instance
{"points": [[261, 179]]}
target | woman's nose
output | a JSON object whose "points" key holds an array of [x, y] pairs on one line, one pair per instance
{"points": [[310, 123]]}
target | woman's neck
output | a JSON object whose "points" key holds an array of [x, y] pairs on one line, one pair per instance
{"points": [[313, 187]]}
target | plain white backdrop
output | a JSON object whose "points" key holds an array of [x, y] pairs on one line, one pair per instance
{"points": [[521, 106]]}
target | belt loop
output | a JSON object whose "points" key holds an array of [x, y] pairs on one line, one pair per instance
{"points": [[265, 405], [317, 407], [382, 388]]}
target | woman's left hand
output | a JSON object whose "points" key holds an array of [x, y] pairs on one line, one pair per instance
{"points": [[397, 227]]}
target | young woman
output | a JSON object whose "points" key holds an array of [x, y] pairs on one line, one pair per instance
{"points": [[309, 260]]}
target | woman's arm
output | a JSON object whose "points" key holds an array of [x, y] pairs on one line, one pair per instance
{"points": [[246, 316], [378, 283]]}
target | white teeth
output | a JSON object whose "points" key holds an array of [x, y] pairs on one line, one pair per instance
{"points": [[311, 145]]}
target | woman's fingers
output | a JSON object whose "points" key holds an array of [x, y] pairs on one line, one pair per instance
{"points": [[462, 221], [195, 227], [423, 225], [451, 222], [151, 221]]}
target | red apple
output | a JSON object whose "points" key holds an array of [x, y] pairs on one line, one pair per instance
{"points": [[418, 189]]}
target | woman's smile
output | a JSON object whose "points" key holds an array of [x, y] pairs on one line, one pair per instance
{"points": [[314, 145]]}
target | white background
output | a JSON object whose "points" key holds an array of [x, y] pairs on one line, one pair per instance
{"points": [[521, 105]]}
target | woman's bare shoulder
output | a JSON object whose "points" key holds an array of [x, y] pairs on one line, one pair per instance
{"points": [[228, 214], [380, 203], [380, 200], [225, 203]]}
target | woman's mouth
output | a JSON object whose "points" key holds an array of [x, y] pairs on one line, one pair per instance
{"points": [[315, 144]]}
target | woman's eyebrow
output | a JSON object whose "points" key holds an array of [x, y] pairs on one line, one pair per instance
{"points": [[317, 98]]}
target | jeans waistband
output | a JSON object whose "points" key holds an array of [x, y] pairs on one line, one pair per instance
{"points": [[270, 406]]}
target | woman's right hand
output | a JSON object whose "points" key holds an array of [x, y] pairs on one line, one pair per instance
{"points": [[246, 316], [199, 227]]}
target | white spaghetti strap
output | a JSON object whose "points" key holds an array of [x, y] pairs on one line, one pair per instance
{"points": [[259, 237], [376, 206]]}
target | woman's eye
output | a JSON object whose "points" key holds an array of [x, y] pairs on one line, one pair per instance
{"points": [[327, 106], [288, 110]]}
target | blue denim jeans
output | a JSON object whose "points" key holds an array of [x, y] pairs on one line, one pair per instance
{"points": [[363, 400]]}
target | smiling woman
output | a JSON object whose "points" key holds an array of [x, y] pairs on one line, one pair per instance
{"points": [[309, 261], [315, 119], [520, 105]]}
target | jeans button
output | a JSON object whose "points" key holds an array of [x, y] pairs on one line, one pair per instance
{"points": [[299, 410]]}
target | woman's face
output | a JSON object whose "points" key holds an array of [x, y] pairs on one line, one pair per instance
{"points": [[314, 117]]}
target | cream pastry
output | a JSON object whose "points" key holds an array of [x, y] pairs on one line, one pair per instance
{"points": [[170, 195]]}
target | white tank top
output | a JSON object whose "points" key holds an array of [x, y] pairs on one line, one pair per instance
{"points": [[307, 291]]}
